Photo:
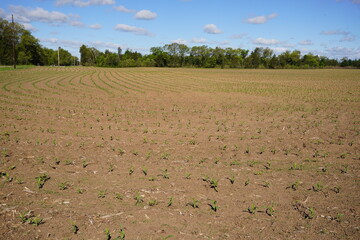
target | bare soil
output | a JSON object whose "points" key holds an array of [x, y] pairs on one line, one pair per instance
{"points": [[145, 152]]}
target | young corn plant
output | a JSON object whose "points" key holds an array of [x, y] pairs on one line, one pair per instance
{"points": [[152, 202], [232, 179], [193, 203], [170, 202], [74, 228], [318, 187], [102, 194], [40, 180], [252, 209], [214, 184], [139, 199], [164, 174], [131, 171], [270, 211], [63, 185], [145, 171], [213, 205]]}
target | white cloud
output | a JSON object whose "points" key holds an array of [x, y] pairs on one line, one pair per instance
{"points": [[62, 43], [132, 29], [29, 27], [2, 13], [27, 15], [212, 29], [335, 32], [145, 15], [348, 39], [95, 26], [82, 3], [123, 9], [261, 19], [306, 42], [76, 24], [199, 40], [179, 41], [264, 41], [238, 36], [340, 52], [279, 50], [105, 45]]}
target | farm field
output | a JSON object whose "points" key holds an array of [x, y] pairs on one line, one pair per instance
{"points": [[157, 153]]}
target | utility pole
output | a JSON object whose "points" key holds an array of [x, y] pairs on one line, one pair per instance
{"points": [[14, 47], [59, 56]]}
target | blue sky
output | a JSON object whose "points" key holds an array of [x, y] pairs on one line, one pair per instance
{"points": [[325, 27]]}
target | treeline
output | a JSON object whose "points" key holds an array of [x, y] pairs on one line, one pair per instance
{"points": [[28, 48], [180, 55], [30, 51]]}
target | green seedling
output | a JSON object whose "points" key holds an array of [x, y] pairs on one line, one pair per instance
{"points": [[317, 187], [262, 150], [151, 179], [294, 186], [267, 165], [338, 217], [266, 184], [74, 228], [232, 179], [6, 176], [107, 234], [252, 209], [24, 216], [165, 156], [194, 203], [121, 151], [144, 170], [296, 166], [247, 182], [40, 180], [139, 199], [69, 162], [56, 161], [119, 196], [80, 191], [63, 186], [170, 202], [273, 150], [19, 180], [135, 153], [111, 167], [311, 213], [121, 235], [131, 171], [12, 167], [270, 211], [36, 221], [85, 164], [152, 202], [345, 169], [214, 206], [102, 194], [188, 176], [164, 174], [214, 184]]}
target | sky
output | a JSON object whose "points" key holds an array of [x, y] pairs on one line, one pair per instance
{"points": [[323, 27]]}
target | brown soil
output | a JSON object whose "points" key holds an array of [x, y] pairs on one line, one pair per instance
{"points": [[288, 139]]}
